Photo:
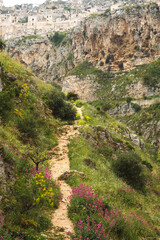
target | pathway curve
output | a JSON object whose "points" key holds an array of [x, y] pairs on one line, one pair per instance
{"points": [[79, 110], [60, 164]]}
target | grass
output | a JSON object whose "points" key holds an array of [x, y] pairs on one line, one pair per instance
{"points": [[84, 69], [44, 87], [11, 66], [142, 121], [100, 174], [106, 184], [30, 37]]}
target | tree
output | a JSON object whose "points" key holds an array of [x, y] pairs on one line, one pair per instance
{"points": [[2, 45], [38, 156], [128, 100]]}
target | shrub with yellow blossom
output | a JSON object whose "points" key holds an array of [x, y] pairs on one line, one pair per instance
{"points": [[18, 113], [45, 190], [87, 118], [24, 91]]}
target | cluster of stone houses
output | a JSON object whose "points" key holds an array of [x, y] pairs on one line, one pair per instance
{"points": [[52, 16], [27, 19]]}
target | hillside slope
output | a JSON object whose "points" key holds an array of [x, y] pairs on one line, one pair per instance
{"points": [[28, 129], [29, 197]]}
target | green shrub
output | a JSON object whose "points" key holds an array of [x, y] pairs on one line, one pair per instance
{"points": [[128, 166], [129, 146], [78, 116], [2, 45], [107, 12], [57, 38], [72, 96], [29, 126], [106, 150], [43, 223], [98, 108], [136, 107], [106, 106], [60, 108], [79, 103], [128, 100], [6, 104]]}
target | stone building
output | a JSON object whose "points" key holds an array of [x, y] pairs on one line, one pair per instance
{"points": [[1, 4], [51, 16]]}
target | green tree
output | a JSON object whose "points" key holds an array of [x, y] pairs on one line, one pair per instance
{"points": [[2, 45], [37, 156]]}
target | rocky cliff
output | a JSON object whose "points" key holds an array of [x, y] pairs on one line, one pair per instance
{"points": [[119, 41], [112, 42], [46, 60]]}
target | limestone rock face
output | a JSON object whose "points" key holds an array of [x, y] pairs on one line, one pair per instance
{"points": [[123, 110], [85, 88], [121, 40], [139, 90], [117, 41], [44, 59]]}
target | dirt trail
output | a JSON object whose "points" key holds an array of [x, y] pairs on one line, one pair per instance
{"points": [[80, 112], [60, 164]]}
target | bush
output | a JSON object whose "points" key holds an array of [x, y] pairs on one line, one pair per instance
{"points": [[2, 45], [151, 76], [33, 192], [93, 218], [6, 104], [106, 107], [79, 103], [136, 107], [57, 38], [128, 166], [72, 96], [60, 108], [128, 100], [106, 150], [43, 223], [29, 126]]}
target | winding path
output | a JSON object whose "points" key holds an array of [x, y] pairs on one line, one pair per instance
{"points": [[60, 164]]}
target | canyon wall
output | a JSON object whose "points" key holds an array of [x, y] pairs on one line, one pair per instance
{"points": [[113, 42]]}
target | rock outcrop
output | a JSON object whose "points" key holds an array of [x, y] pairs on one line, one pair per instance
{"points": [[66, 175], [85, 88], [139, 90], [46, 60], [120, 41]]}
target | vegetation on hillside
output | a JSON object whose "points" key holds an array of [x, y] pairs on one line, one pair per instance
{"points": [[119, 196], [57, 37], [2, 45], [27, 132]]}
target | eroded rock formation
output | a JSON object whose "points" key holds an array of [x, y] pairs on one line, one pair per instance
{"points": [[113, 42]]}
